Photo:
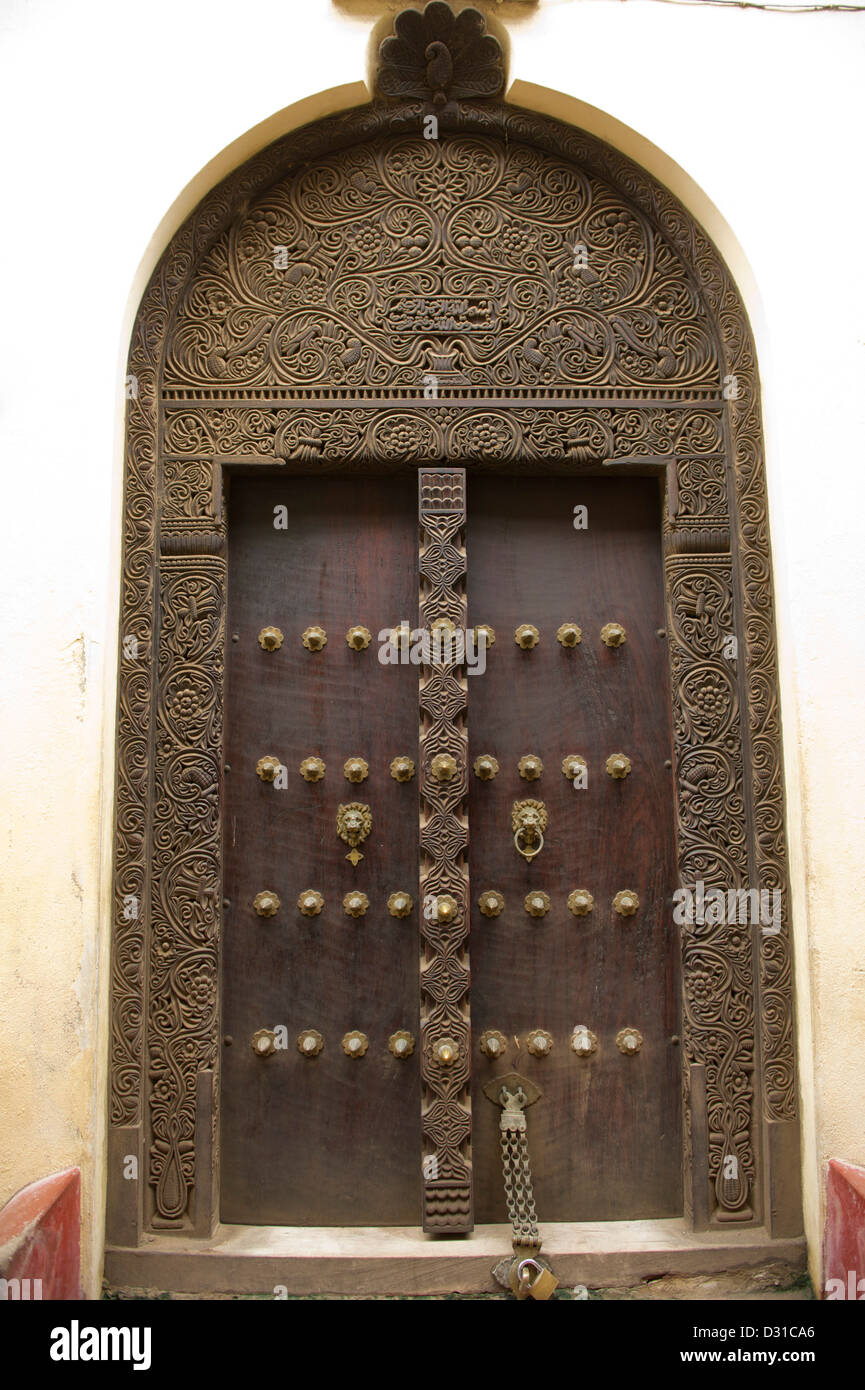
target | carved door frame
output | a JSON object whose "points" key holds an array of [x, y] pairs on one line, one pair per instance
{"points": [[738, 1045]]}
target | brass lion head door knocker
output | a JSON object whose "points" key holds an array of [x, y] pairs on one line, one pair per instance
{"points": [[353, 825], [529, 821]]}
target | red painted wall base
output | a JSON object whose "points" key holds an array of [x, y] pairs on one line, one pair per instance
{"points": [[40, 1239], [844, 1236]]}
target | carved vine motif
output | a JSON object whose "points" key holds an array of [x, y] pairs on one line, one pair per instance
{"points": [[446, 1117], [453, 257], [668, 306]]}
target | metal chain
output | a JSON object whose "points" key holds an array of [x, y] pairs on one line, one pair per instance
{"points": [[518, 1187]]}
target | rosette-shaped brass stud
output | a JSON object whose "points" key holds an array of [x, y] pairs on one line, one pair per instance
{"points": [[442, 627], [583, 1041], [355, 1043], [626, 902], [613, 634], [270, 639], [573, 766], [570, 635], [401, 1044], [399, 904], [356, 770], [445, 908], [530, 767], [444, 767], [355, 903], [358, 638], [491, 903], [486, 767], [527, 636], [446, 1051], [402, 769], [580, 902], [493, 1043], [539, 1042], [312, 769], [309, 1042], [486, 634], [310, 902], [629, 1041], [537, 904], [266, 903], [618, 765], [267, 767], [263, 1042], [400, 637], [314, 639]]}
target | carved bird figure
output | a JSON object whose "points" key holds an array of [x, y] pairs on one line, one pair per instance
{"points": [[439, 70]]}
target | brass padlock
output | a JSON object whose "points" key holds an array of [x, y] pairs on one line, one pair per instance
{"points": [[530, 1279]]}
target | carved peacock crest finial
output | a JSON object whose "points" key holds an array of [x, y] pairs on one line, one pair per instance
{"points": [[440, 56]]}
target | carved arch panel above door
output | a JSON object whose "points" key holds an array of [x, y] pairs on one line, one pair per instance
{"points": [[452, 260]]}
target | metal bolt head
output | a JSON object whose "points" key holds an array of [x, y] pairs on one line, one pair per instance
{"points": [[539, 1042], [267, 768], [446, 1051], [618, 765], [537, 904], [266, 903], [491, 903], [356, 770], [572, 765], [613, 634], [309, 1042], [629, 1041], [358, 638], [401, 1044], [310, 902], [626, 902], [570, 635], [583, 1041], [446, 908], [530, 767], [444, 767], [580, 902], [402, 769], [270, 639], [263, 1042], [355, 904], [312, 769], [485, 633], [355, 1043], [527, 636], [399, 904], [486, 767], [314, 639], [493, 1043]]}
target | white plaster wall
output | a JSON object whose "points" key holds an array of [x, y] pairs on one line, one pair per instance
{"points": [[112, 115]]}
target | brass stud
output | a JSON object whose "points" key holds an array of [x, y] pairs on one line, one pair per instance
{"points": [[402, 769], [583, 1041], [310, 902], [618, 765], [493, 1043], [355, 1044], [570, 635], [312, 769], [527, 636], [613, 634], [444, 767], [629, 1041], [268, 767], [626, 902], [401, 1044], [488, 633], [443, 627], [445, 908], [539, 1043], [263, 1042], [266, 903], [573, 766], [537, 904], [399, 904], [309, 1042], [358, 638], [530, 767], [580, 902], [355, 903], [491, 903], [401, 637], [486, 767], [446, 1051], [356, 770], [270, 639], [314, 639]]}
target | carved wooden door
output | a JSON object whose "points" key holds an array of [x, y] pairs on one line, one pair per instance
{"points": [[355, 1055]]}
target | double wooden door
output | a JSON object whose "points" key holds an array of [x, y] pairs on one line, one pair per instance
{"points": [[572, 949]]}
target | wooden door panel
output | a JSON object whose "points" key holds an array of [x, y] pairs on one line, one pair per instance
{"points": [[328, 1140], [605, 1139]]}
